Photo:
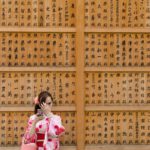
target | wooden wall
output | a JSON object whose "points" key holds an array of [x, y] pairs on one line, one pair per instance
{"points": [[93, 56]]}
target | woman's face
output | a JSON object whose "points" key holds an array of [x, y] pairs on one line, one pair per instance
{"points": [[49, 102]]}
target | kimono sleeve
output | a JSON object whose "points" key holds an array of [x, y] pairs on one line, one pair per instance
{"points": [[56, 128], [27, 137]]}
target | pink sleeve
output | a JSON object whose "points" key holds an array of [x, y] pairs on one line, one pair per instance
{"points": [[27, 137], [56, 126]]}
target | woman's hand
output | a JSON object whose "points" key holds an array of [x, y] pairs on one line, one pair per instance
{"points": [[45, 108], [37, 118]]}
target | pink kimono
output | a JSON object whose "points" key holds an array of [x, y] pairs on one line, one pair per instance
{"points": [[52, 127]]}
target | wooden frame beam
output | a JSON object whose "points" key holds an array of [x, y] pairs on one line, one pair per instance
{"points": [[117, 147], [80, 74], [96, 147], [36, 69], [118, 108], [118, 69], [118, 30], [18, 148], [37, 29], [27, 108], [73, 108]]}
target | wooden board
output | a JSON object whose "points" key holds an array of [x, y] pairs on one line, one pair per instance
{"points": [[93, 56]]}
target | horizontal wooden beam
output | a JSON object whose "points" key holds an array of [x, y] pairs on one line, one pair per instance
{"points": [[36, 69], [96, 147], [18, 148], [118, 147], [118, 69], [73, 108], [25, 108], [72, 69], [69, 29], [120, 30], [117, 108], [36, 29]]}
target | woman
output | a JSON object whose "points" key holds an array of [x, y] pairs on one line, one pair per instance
{"points": [[44, 128]]}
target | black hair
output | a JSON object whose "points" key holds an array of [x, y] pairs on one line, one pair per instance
{"points": [[41, 99]]}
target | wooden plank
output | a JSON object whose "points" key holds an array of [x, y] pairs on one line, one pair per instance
{"points": [[102, 147], [117, 108], [118, 69], [79, 30], [36, 69], [18, 148], [87, 108], [27, 108], [80, 74], [118, 147], [37, 29], [120, 30]]}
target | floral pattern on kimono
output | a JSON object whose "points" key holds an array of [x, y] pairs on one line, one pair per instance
{"points": [[51, 126]]}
